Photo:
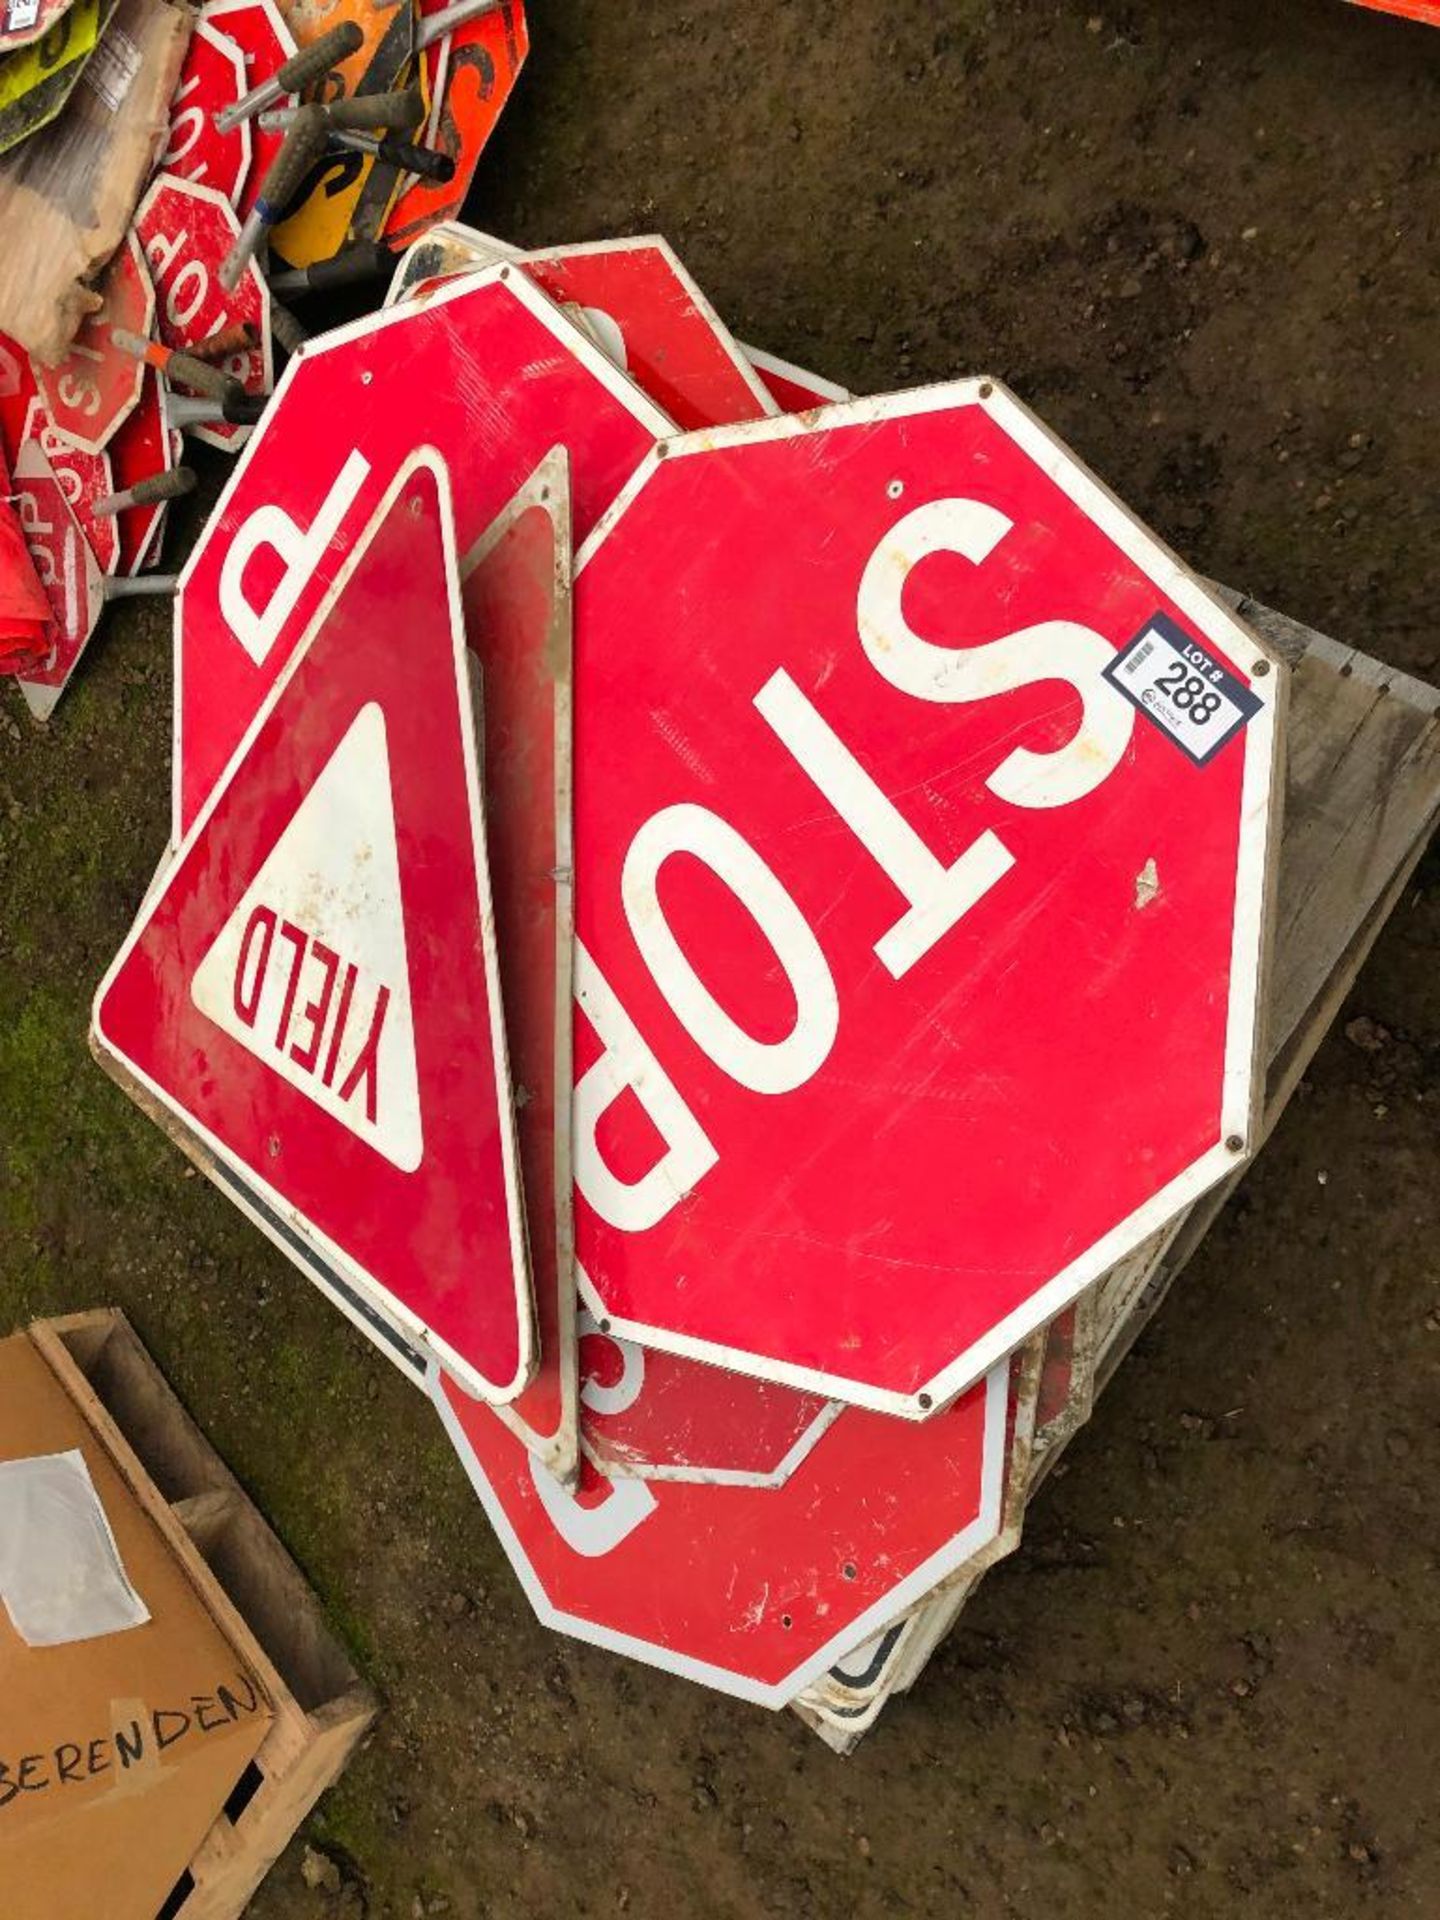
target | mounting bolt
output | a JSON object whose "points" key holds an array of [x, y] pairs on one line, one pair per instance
{"points": [[1235, 1144]]}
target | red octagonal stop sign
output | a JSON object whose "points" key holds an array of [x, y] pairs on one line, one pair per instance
{"points": [[753, 1590], [489, 372], [922, 814]]}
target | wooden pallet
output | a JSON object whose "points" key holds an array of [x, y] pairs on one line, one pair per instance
{"points": [[251, 1585], [1362, 798]]}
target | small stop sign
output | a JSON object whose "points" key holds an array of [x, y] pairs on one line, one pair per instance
{"points": [[96, 386]]}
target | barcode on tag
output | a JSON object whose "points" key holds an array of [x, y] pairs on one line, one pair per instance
{"points": [[1182, 689], [112, 68], [21, 14]]}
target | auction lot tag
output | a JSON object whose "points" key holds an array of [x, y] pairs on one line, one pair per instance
{"points": [[1182, 688]]}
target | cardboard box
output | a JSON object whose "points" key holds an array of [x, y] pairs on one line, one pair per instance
{"points": [[116, 1754]]}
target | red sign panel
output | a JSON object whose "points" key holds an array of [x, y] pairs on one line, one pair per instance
{"points": [[1427, 12], [96, 386], [503, 377], [17, 390], [313, 988], [921, 855], [186, 230], [67, 570], [654, 321], [657, 1417], [84, 478], [755, 1592], [265, 43], [142, 446], [212, 78]]}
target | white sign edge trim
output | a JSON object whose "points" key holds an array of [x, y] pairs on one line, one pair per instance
{"points": [[802, 376], [130, 243], [394, 1309], [558, 1451], [913, 1588], [466, 286], [800, 1450], [197, 190], [1242, 1075], [629, 243]]}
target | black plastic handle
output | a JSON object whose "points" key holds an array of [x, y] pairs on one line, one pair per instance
{"points": [[320, 56], [428, 162]]}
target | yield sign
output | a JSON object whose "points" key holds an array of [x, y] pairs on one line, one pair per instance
{"points": [[313, 992], [921, 856], [755, 1591]]}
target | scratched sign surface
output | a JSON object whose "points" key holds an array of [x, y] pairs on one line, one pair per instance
{"points": [[755, 1591], [921, 868], [313, 990]]}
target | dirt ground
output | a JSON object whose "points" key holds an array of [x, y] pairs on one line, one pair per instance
{"points": [[1202, 240]]}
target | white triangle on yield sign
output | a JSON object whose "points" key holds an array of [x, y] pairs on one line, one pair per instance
{"points": [[311, 995], [309, 973]]}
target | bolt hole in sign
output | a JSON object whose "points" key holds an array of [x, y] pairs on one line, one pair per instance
{"points": [[755, 1591], [312, 990], [922, 856]]}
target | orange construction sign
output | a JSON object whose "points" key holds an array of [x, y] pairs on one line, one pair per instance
{"points": [[1426, 11]]}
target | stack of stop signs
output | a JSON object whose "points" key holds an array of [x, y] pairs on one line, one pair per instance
{"points": [[704, 913]]}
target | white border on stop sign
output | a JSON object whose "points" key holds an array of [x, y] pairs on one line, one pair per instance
{"points": [[382, 320], [1261, 801], [617, 1464], [902, 1598]]}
